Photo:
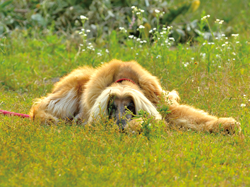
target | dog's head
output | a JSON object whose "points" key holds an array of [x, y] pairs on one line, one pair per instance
{"points": [[121, 102], [121, 109]]}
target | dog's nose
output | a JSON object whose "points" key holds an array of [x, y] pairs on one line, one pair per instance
{"points": [[121, 123]]}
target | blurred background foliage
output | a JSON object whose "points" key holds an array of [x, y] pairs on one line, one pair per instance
{"points": [[63, 16]]}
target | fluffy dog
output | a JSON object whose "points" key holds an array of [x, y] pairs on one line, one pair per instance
{"points": [[117, 87]]}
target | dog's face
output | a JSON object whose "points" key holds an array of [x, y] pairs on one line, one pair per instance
{"points": [[121, 109]]}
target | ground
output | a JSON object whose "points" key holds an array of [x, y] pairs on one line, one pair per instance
{"points": [[213, 76]]}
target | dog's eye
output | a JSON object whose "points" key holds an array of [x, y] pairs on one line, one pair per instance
{"points": [[131, 106], [112, 107]]}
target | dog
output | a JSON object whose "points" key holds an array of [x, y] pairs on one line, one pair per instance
{"points": [[119, 90]]}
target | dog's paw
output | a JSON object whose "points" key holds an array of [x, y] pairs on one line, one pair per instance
{"points": [[50, 120], [78, 119], [229, 125], [46, 118], [172, 98], [134, 126]]}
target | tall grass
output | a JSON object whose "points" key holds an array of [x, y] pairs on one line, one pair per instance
{"points": [[211, 75]]}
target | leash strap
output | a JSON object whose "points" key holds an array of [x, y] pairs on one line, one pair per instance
{"points": [[4, 112]]}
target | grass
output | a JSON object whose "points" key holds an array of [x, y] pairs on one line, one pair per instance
{"points": [[213, 77]]}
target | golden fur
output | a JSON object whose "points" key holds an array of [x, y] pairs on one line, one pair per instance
{"points": [[85, 92]]}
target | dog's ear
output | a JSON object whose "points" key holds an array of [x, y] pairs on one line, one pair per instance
{"points": [[148, 83], [103, 78], [111, 106], [151, 87]]}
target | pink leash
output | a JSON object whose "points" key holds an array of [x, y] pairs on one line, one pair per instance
{"points": [[4, 112]]}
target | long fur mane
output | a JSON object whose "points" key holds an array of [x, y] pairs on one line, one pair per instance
{"points": [[108, 73], [141, 102]]}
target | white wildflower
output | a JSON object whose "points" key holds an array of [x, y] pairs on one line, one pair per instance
{"points": [[235, 35], [157, 11], [186, 64], [170, 27], [243, 105], [171, 38], [141, 27], [84, 17], [205, 17], [219, 21], [122, 29], [203, 55]]}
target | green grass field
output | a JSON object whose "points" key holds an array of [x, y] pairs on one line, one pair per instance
{"points": [[213, 76]]}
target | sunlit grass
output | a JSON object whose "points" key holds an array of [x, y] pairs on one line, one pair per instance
{"points": [[211, 75]]}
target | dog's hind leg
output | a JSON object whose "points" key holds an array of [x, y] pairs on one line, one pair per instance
{"points": [[63, 104], [64, 101], [192, 118]]}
